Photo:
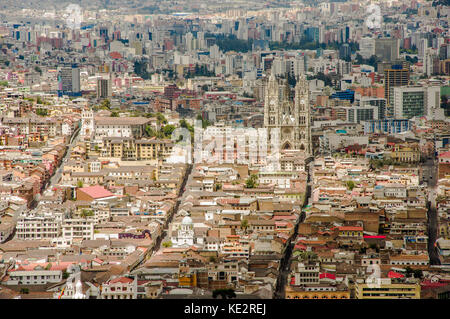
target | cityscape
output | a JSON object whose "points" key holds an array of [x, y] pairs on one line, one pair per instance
{"points": [[175, 149]]}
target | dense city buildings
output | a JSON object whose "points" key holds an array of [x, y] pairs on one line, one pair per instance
{"points": [[243, 149]]}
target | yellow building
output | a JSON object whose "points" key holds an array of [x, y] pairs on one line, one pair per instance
{"points": [[302, 293], [132, 149], [405, 154], [387, 290], [187, 280]]}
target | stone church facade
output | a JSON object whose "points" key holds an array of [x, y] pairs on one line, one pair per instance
{"points": [[288, 114]]}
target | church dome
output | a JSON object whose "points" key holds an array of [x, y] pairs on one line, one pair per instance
{"points": [[186, 220]]}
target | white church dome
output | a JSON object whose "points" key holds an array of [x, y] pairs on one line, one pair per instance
{"points": [[186, 220]]}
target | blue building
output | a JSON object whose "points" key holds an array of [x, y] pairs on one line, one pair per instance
{"points": [[388, 126], [312, 34], [344, 95]]}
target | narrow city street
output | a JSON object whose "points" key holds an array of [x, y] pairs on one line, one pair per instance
{"points": [[430, 177], [285, 263], [54, 180], [164, 234]]}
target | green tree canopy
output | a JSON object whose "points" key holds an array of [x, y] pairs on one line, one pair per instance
{"points": [[167, 244], [350, 185], [252, 181]]}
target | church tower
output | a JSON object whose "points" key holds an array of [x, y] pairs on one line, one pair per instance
{"points": [[87, 123], [303, 114], [290, 118]]}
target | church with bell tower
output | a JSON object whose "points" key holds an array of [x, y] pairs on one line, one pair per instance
{"points": [[288, 114]]}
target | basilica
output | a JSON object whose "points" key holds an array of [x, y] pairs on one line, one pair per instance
{"points": [[287, 115]]}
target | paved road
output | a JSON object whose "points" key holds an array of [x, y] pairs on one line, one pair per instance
{"points": [[285, 264], [430, 177], [164, 234], [57, 176]]}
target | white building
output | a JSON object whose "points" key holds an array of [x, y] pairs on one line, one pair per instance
{"points": [[78, 229], [38, 227], [34, 277], [119, 127], [411, 101], [185, 233], [119, 288], [307, 273], [367, 47]]}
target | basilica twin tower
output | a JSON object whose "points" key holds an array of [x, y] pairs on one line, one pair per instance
{"points": [[290, 119]]}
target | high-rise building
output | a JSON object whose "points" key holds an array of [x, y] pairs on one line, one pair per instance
{"points": [[410, 101], [397, 75], [69, 80], [358, 114], [344, 52], [104, 89], [312, 34], [379, 103], [291, 119], [387, 49], [367, 47]]}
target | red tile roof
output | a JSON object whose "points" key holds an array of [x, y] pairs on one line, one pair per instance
{"points": [[327, 275], [124, 280], [393, 274], [115, 55], [445, 154], [96, 191]]}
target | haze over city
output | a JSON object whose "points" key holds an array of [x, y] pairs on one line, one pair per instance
{"points": [[224, 150]]}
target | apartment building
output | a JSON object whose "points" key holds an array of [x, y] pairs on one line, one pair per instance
{"points": [[34, 277], [38, 227], [80, 228], [119, 127], [386, 289], [128, 148]]}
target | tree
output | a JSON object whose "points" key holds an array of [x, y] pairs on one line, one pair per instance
{"points": [[150, 131], [42, 112], [350, 185], [80, 184], [251, 182], [24, 291], [160, 118], [86, 212], [205, 123], [168, 130], [244, 224], [167, 244], [115, 114], [65, 274], [106, 104], [217, 187]]}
